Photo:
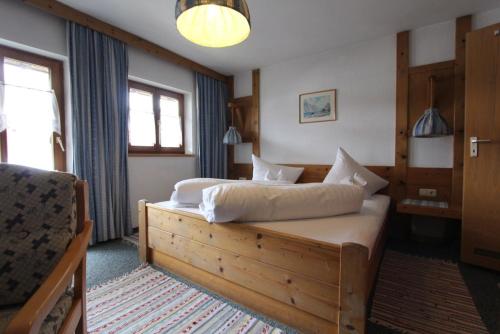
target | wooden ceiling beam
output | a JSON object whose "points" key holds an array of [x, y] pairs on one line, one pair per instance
{"points": [[68, 13]]}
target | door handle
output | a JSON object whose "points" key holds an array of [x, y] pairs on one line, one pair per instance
{"points": [[473, 145]]}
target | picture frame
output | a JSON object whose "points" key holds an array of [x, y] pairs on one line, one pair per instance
{"points": [[318, 106]]}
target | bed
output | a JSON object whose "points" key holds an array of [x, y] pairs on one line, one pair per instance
{"points": [[315, 275]]}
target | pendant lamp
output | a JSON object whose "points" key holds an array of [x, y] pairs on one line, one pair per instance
{"points": [[213, 23], [431, 123], [232, 136]]}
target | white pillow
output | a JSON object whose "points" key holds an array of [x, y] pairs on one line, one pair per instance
{"points": [[346, 166], [356, 180], [190, 191], [263, 169], [279, 178]]}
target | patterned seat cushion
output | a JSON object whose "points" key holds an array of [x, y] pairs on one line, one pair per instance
{"points": [[53, 321], [37, 222]]}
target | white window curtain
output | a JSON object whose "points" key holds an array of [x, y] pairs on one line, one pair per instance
{"points": [[22, 105]]}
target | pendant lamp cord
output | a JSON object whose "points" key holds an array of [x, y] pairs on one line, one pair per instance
{"points": [[231, 107], [431, 91]]}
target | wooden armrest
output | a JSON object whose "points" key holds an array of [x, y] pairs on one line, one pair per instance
{"points": [[31, 316]]}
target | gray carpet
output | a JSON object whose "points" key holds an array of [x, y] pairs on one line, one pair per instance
{"points": [[109, 260]]}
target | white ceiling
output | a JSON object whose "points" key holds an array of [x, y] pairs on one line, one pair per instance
{"points": [[282, 29]]}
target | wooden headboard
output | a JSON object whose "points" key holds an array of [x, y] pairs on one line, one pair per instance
{"points": [[312, 173]]}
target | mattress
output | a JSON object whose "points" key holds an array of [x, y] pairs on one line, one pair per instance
{"points": [[362, 228]]}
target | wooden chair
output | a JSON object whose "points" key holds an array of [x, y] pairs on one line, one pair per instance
{"points": [[62, 292]]}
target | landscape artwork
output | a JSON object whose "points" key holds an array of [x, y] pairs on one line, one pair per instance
{"points": [[318, 106]]}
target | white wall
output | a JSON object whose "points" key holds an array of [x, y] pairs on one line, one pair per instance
{"points": [[153, 178], [30, 29], [243, 84], [364, 75]]}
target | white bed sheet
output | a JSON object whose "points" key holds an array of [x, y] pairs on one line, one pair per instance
{"points": [[362, 227]]}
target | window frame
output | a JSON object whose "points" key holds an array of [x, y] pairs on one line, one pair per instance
{"points": [[57, 80], [157, 93]]}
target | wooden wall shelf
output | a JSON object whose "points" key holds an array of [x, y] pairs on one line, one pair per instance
{"points": [[423, 209]]}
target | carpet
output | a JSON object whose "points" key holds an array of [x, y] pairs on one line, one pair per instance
{"points": [[420, 295], [133, 239], [108, 260], [149, 301]]}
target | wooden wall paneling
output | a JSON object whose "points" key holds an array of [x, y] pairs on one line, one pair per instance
{"points": [[230, 148], [68, 13], [463, 26], [243, 118], [402, 81], [429, 178], [313, 173], [256, 111]]}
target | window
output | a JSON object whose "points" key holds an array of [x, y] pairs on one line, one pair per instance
{"points": [[31, 109], [155, 120]]}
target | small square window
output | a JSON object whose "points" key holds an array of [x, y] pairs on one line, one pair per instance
{"points": [[155, 120]]}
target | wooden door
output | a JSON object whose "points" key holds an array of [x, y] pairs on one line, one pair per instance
{"points": [[481, 211]]}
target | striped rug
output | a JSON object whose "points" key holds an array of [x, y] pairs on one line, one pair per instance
{"points": [[419, 295], [149, 301]]}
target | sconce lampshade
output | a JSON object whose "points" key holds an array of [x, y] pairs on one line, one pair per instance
{"points": [[431, 124], [213, 23], [232, 136]]}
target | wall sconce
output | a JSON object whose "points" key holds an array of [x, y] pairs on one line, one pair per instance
{"points": [[431, 123], [232, 136]]}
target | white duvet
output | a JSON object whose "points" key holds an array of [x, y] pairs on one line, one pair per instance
{"points": [[257, 202]]}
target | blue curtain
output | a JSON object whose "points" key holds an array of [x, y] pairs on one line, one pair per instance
{"points": [[211, 96], [99, 86]]}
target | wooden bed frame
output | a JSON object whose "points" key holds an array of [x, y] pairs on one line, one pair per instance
{"points": [[313, 286]]}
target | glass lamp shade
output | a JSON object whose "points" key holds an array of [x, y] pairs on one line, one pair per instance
{"points": [[213, 23], [232, 136], [431, 124]]}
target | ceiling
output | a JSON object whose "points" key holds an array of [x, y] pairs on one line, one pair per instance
{"points": [[282, 29]]}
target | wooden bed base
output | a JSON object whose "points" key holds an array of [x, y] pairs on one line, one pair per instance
{"points": [[312, 286]]}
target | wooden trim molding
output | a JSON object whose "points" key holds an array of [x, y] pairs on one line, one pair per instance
{"points": [[256, 111], [463, 26], [229, 120], [68, 13], [402, 95]]}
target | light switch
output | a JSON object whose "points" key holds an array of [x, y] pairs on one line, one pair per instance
{"points": [[427, 192]]}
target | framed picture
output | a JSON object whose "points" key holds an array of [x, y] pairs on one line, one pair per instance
{"points": [[318, 106]]}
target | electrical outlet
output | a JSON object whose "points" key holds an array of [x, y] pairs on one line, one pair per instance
{"points": [[427, 192]]}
